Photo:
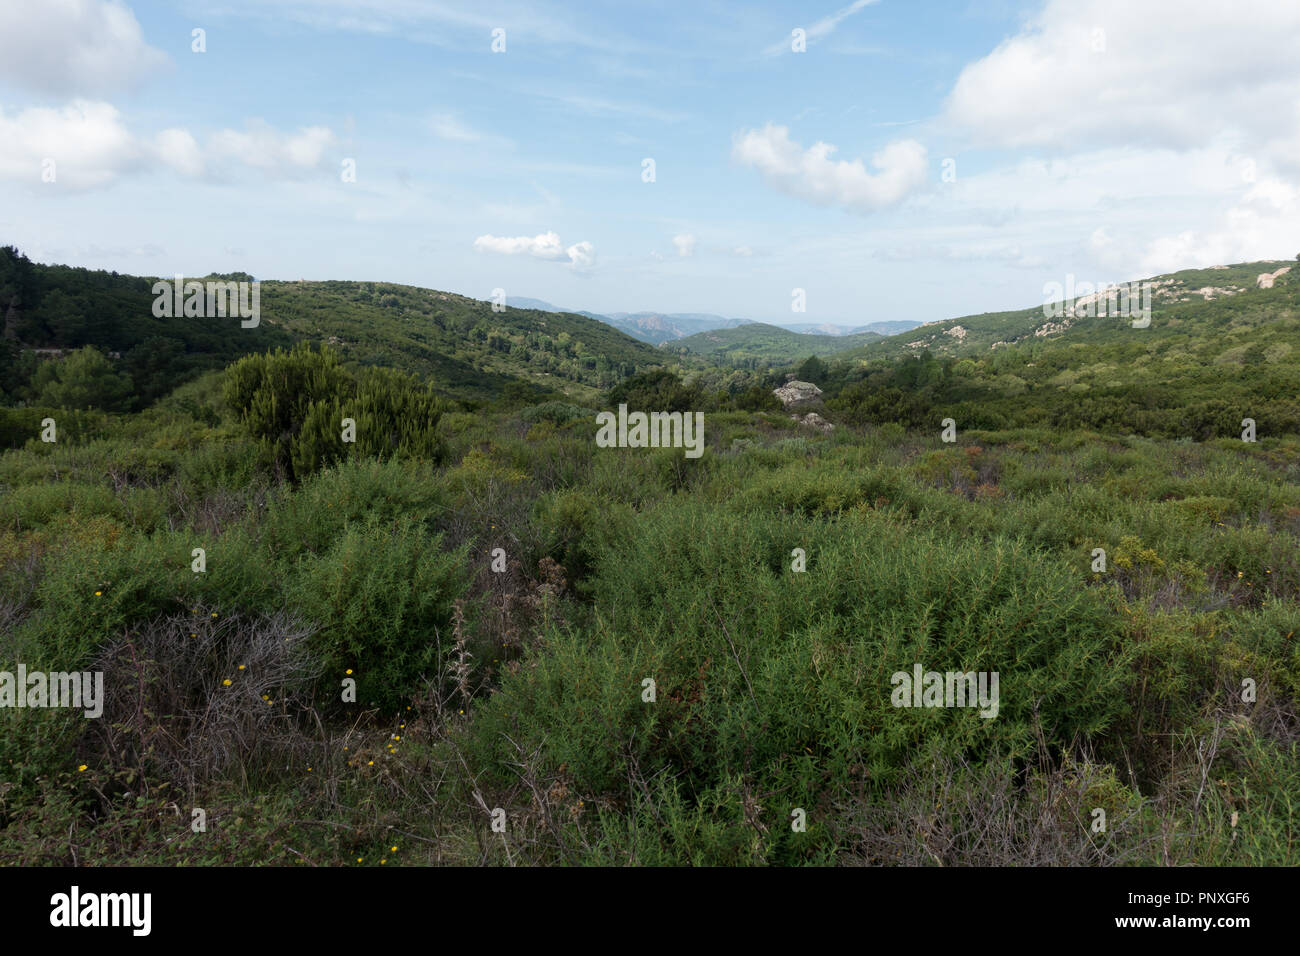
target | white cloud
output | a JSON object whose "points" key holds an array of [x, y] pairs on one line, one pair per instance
{"points": [[87, 142], [582, 254], [447, 126], [452, 129], [684, 244], [827, 25], [275, 153], [1264, 225], [742, 251], [823, 27], [91, 146], [547, 245], [74, 47], [1171, 130], [179, 149], [1086, 74], [812, 175], [598, 106]]}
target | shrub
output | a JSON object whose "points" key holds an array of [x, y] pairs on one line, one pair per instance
{"points": [[85, 379], [295, 402], [783, 679], [382, 597]]}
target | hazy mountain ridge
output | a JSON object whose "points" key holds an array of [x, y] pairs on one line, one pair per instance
{"points": [[888, 327], [652, 327]]}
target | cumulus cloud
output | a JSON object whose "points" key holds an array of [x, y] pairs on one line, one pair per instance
{"points": [[74, 47], [547, 245], [814, 176], [179, 149], [582, 254], [87, 143], [1155, 113], [684, 244], [1084, 74], [91, 146], [263, 147], [1264, 225]]}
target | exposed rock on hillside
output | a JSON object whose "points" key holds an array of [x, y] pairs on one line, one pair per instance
{"points": [[1265, 280], [792, 393], [815, 421]]}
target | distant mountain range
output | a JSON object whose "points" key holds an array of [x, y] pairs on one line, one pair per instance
{"points": [[892, 327], [659, 327]]}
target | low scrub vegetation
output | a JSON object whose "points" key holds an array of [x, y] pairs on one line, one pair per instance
{"points": [[472, 636]]}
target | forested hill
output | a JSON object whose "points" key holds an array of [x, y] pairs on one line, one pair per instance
{"points": [[758, 345], [458, 343]]}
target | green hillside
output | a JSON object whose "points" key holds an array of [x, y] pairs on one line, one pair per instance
{"points": [[457, 342], [1203, 365], [1179, 297], [758, 345]]}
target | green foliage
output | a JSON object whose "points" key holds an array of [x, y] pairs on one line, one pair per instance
{"points": [[295, 403], [571, 525], [85, 379], [382, 596], [469, 350], [812, 370], [757, 345], [757, 398], [783, 679], [557, 413], [658, 390]]}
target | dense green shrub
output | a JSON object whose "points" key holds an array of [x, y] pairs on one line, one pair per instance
{"points": [[783, 678], [382, 597], [296, 403], [85, 379]]}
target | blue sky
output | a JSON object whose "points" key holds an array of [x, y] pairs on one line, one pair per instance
{"points": [[1102, 138]]}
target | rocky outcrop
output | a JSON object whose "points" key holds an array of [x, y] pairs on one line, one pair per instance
{"points": [[814, 420], [1266, 279], [792, 393]]}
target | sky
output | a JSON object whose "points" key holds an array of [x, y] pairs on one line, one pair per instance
{"points": [[891, 159]]}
